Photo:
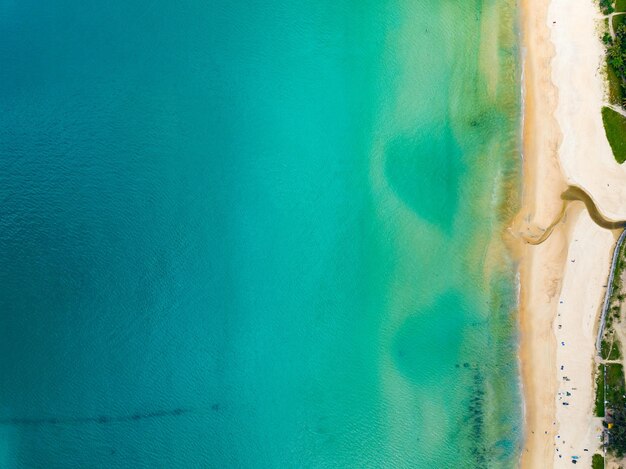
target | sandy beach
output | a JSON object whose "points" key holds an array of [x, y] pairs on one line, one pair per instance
{"points": [[563, 272], [578, 432]]}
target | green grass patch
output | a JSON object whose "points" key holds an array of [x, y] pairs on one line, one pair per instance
{"points": [[610, 350], [620, 5], [599, 407], [615, 128], [615, 388], [597, 461]]}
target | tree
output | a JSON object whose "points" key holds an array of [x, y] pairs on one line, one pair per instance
{"points": [[617, 434], [606, 6]]}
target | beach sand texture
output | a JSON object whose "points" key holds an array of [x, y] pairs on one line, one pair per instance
{"points": [[563, 278]]}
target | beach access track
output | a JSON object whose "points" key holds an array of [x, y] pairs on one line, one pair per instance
{"points": [[609, 290]]}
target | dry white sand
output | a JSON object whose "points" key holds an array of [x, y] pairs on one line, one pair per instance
{"points": [[564, 144], [578, 73]]}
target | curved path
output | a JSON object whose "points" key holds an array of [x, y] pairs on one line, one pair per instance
{"points": [[610, 18], [617, 109], [609, 290]]}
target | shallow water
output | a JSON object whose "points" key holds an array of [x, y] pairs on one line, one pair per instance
{"points": [[257, 235]]}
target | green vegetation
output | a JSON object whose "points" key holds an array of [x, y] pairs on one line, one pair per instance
{"points": [[617, 440], [610, 350], [614, 122], [606, 6], [615, 387], [616, 287], [617, 295], [616, 60], [620, 5], [616, 402], [615, 128], [597, 461], [618, 20], [599, 408], [610, 402], [612, 313]]}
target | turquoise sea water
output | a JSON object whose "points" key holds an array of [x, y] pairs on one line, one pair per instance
{"points": [[257, 234]]}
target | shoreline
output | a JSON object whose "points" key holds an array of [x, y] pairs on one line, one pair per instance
{"points": [[541, 187]]}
